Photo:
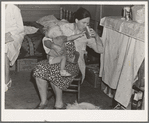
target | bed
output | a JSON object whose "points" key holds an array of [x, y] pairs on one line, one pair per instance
{"points": [[35, 19]]}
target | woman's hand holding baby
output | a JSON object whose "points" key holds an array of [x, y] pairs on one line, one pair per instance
{"points": [[74, 37]]}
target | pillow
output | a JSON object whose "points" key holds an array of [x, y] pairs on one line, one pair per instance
{"points": [[61, 22], [30, 29], [34, 24], [50, 20], [32, 45], [49, 23], [54, 25], [46, 18]]}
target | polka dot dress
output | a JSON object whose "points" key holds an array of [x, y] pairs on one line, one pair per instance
{"points": [[51, 72]]}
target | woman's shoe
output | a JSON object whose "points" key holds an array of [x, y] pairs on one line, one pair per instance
{"points": [[8, 85], [42, 106], [59, 108]]}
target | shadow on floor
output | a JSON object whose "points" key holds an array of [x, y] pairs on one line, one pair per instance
{"points": [[24, 94]]}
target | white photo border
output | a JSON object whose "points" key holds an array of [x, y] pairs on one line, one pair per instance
{"points": [[73, 115]]}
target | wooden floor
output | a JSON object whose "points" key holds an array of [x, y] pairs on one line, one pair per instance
{"points": [[23, 94]]}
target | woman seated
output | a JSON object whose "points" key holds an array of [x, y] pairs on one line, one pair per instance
{"points": [[45, 72]]}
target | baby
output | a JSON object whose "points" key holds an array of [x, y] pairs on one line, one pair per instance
{"points": [[60, 41]]}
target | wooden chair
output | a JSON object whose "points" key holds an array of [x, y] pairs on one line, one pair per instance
{"points": [[137, 104], [138, 87], [73, 88]]}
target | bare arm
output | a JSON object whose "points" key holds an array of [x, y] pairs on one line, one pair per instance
{"points": [[62, 39], [53, 46], [73, 37], [96, 43], [49, 44]]}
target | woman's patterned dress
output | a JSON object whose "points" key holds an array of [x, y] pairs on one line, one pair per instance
{"points": [[51, 72]]}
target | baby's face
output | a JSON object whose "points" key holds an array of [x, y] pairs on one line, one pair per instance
{"points": [[54, 32]]}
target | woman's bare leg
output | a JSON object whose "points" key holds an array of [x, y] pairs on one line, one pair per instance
{"points": [[58, 96], [7, 69], [42, 87]]}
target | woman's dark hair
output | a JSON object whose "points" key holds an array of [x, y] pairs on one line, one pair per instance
{"points": [[81, 13]]}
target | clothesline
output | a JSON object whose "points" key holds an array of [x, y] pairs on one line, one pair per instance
{"points": [[129, 28]]}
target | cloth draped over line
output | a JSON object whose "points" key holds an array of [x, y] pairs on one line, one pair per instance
{"points": [[14, 25], [129, 28], [120, 63], [80, 44]]}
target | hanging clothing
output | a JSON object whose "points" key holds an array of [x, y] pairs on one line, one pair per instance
{"points": [[14, 25]]}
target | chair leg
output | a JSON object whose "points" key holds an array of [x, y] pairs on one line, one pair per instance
{"points": [[79, 84], [137, 98]]}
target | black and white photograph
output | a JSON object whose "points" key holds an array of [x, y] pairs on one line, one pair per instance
{"points": [[74, 61]]}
